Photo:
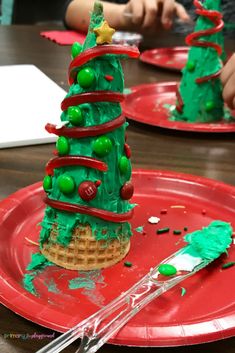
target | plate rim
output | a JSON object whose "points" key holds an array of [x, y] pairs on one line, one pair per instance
{"points": [[167, 124], [145, 56]]}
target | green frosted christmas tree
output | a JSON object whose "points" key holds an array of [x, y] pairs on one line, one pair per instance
{"points": [[88, 184], [199, 97]]}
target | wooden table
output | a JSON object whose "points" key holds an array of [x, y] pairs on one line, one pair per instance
{"points": [[152, 148]]}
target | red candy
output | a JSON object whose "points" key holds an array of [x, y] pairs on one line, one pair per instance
{"points": [[87, 190], [127, 191], [127, 150]]}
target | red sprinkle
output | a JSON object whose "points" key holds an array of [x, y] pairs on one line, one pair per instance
{"points": [[98, 183], [108, 77], [163, 211], [203, 212]]}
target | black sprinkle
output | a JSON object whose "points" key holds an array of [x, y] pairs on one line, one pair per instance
{"points": [[177, 232], [185, 229], [228, 264], [163, 230], [128, 264]]}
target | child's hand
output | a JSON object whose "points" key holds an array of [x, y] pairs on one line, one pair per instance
{"points": [[228, 81], [147, 13]]}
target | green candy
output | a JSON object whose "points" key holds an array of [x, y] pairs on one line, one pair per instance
{"points": [[76, 49], [86, 77], [190, 65], [167, 270], [210, 105], [62, 145], [102, 146], [47, 183], [66, 184], [75, 115], [123, 164]]}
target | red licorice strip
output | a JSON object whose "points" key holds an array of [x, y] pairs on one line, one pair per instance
{"points": [[91, 211], [94, 52], [209, 77], [213, 16], [92, 97], [179, 106], [192, 39], [79, 132], [75, 160]]}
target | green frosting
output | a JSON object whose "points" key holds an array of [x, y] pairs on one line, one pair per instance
{"points": [[38, 261], [210, 242], [202, 61], [81, 282], [108, 195], [37, 265], [28, 283]]}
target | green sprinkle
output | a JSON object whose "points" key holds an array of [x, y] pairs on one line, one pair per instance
{"points": [[177, 232], [183, 291], [128, 264], [163, 230], [167, 270], [228, 264], [185, 229]]}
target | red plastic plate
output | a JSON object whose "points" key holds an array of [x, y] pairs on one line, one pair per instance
{"points": [[149, 104], [173, 58], [205, 313]]}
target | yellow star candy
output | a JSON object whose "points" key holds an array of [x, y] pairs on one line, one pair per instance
{"points": [[104, 33]]}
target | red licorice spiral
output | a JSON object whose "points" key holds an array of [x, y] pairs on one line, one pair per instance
{"points": [[193, 40], [81, 132]]}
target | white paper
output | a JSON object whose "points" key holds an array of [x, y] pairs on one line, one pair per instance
{"points": [[28, 101]]}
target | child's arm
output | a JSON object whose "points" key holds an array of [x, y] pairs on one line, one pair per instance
{"points": [[228, 82], [144, 14]]}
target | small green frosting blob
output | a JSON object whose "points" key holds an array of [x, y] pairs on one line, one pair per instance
{"points": [[62, 145], [210, 242], [47, 183], [210, 105], [102, 146], [75, 115], [66, 184], [76, 49], [190, 65], [123, 164], [86, 77], [167, 270]]}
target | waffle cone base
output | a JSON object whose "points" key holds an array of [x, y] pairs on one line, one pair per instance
{"points": [[84, 252]]}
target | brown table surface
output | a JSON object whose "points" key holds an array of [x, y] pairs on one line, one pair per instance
{"points": [[206, 155]]}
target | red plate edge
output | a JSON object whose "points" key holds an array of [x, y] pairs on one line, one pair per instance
{"points": [[147, 57], [166, 123], [8, 287]]}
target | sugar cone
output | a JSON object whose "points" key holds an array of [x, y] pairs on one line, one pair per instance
{"points": [[84, 252]]}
